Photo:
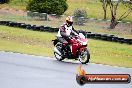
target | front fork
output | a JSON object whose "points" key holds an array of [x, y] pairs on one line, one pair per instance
{"points": [[81, 50]]}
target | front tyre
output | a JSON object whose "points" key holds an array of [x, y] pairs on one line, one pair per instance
{"points": [[84, 56]]}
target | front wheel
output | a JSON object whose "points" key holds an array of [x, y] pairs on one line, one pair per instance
{"points": [[84, 56]]}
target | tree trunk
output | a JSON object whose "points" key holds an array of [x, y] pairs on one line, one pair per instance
{"points": [[104, 5], [113, 23], [104, 13]]}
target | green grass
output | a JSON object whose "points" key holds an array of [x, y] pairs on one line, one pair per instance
{"points": [[111, 53], [18, 4], [39, 43], [35, 35], [6, 45], [30, 42], [93, 8]]}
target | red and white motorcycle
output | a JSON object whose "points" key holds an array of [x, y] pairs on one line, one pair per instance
{"points": [[77, 49]]}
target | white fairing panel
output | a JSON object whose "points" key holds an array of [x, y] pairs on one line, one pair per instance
{"points": [[84, 43], [81, 35], [59, 35]]}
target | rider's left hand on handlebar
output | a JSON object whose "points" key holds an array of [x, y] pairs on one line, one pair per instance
{"points": [[70, 37], [76, 36]]}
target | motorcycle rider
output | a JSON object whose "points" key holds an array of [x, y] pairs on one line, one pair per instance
{"points": [[66, 32]]}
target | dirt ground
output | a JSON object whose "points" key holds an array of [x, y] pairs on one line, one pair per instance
{"points": [[12, 11]]}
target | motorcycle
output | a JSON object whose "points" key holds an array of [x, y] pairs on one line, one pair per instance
{"points": [[77, 49]]}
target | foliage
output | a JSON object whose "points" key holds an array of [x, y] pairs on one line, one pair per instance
{"points": [[4, 1], [48, 6], [79, 16], [80, 13]]}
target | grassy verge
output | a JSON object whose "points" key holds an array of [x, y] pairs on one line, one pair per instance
{"points": [[93, 8], [25, 41], [110, 53], [6, 45], [39, 43]]}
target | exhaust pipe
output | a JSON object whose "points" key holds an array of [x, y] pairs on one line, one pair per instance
{"points": [[57, 51]]}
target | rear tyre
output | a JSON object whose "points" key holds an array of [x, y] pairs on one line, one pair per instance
{"points": [[57, 56], [84, 56]]}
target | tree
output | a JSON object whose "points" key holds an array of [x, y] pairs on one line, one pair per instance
{"points": [[48, 6], [127, 4], [4, 1], [79, 16], [113, 8], [104, 5]]}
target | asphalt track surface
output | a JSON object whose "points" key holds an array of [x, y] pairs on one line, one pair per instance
{"points": [[29, 71]]}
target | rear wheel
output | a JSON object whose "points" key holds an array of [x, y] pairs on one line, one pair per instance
{"points": [[57, 56], [84, 56]]}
